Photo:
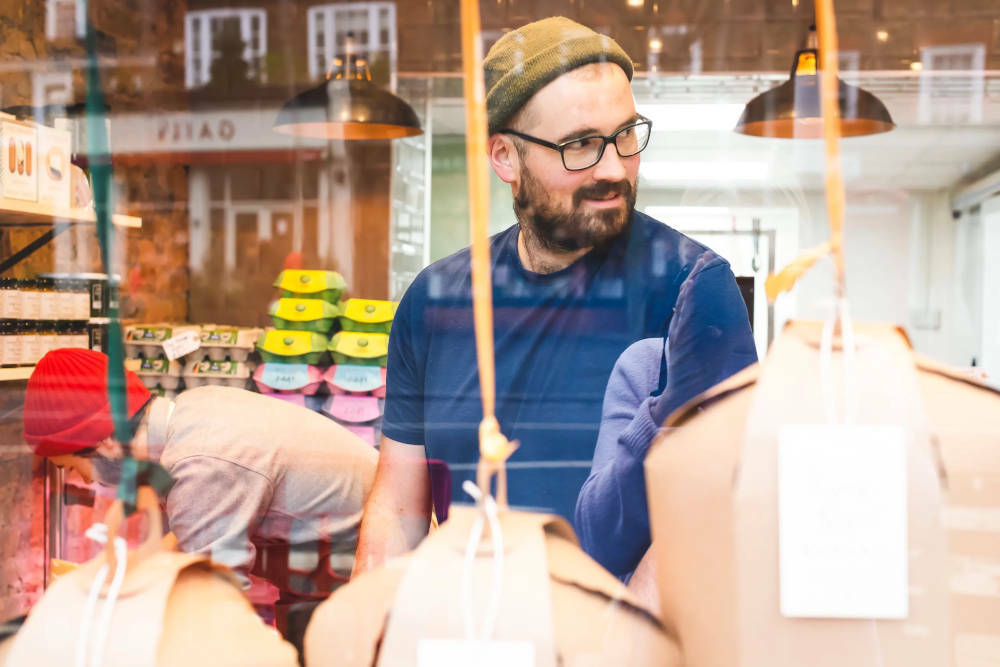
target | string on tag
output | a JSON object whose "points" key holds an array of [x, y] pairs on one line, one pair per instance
{"points": [[491, 515]]}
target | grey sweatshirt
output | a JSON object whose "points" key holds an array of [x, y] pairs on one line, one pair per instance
{"points": [[249, 468]]}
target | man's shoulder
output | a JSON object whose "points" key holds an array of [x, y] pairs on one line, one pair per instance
{"points": [[452, 275], [651, 229], [665, 243]]}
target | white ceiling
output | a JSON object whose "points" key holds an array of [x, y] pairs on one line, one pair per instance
{"points": [[948, 129]]}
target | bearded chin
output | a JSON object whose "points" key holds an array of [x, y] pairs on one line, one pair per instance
{"points": [[568, 231]]}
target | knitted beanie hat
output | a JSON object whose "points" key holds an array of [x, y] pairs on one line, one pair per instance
{"points": [[524, 60], [66, 406]]}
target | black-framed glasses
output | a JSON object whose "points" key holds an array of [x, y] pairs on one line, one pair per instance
{"points": [[585, 152]]}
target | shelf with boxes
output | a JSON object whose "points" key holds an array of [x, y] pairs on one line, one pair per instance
{"points": [[51, 311], [39, 184], [327, 353]]}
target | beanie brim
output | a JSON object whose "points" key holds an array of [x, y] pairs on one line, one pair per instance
{"points": [[66, 407], [83, 435]]}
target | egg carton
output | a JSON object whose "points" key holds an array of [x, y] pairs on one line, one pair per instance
{"points": [[278, 378], [156, 372], [219, 343], [146, 340], [360, 349], [304, 315], [367, 315], [353, 379], [311, 284], [292, 347], [214, 372], [163, 392]]}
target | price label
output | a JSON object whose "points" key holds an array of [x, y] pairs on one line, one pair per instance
{"points": [[155, 365], [351, 377], [181, 344], [219, 337], [216, 368], [842, 521], [474, 653], [353, 409], [286, 377]]}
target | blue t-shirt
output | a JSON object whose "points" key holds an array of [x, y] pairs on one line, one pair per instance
{"points": [[557, 337]]}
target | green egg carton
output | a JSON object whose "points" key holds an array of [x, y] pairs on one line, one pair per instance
{"points": [[362, 349], [367, 315], [299, 284], [304, 314], [292, 347]]}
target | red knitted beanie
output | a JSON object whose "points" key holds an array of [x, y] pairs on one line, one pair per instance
{"points": [[66, 406]]}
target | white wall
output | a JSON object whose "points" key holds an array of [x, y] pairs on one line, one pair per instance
{"points": [[990, 341], [946, 283], [907, 261]]}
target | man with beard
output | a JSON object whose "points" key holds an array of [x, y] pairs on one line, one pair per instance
{"points": [[579, 278]]}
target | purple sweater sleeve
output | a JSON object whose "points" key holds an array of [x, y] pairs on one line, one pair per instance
{"points": [[606, 525], [708, 340]]}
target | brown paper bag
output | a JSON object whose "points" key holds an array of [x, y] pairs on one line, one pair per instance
{"points": [[173, 609], [712, 484], [554, 596]]}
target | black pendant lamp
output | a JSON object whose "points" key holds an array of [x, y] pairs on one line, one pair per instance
{"points": [[348, 105], [792, 110]]}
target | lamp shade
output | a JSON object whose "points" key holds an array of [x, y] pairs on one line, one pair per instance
{"points": [[793, 109], [347, 109]]}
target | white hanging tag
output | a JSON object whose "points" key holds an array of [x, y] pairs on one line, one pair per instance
{"points": [[182, 344], [842, 521], [474, 653]]}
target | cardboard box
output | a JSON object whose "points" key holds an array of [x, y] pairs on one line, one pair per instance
{"points": [[19, 166], [714, 508], [54, 148]]}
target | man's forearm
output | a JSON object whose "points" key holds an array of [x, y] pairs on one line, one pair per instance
{"points": [[397, 514], [386, 533]]}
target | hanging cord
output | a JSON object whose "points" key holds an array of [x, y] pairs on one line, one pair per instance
{"points": [[494, 448], [475, 535], [95, 646], [826, 29], [842, 316]]}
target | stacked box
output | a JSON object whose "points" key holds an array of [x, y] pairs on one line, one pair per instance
{"points": [[313, 326], [222, 358]]}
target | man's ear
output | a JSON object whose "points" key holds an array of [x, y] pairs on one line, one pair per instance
{"points": [[503, 157]]}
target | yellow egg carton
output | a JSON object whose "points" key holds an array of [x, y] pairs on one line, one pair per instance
{"points": [[311, 284], [367, 315], [360, 348]]}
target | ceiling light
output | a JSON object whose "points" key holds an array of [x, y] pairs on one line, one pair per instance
{"points": [[793, 111], [636, 3], [686, 117], [882, 35], [705, 170], [916, 65], [348, 105], [655, 45]]}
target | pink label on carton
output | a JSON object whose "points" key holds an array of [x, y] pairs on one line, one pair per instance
{"points": [[353, 409], [354, 379]]}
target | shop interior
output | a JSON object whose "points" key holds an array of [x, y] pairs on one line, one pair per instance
{"points": [[215, 200]]}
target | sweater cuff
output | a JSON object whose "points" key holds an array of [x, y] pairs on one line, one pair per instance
{"points": [[638, 435]]}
